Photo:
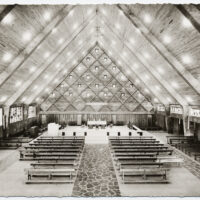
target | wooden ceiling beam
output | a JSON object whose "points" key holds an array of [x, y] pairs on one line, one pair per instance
{"points": [[32, 46], [59, 72], [125, 63], [160, 48], [149, 68], [187, 14], [48, 63]]}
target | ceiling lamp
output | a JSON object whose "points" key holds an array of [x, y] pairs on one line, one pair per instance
{"points": [[46, 55], [105, 94], [137, 81], [146, 55], [96, 85], [70, 76], [18, 83], [105, 76], [166, 39], [47, 90], [7, 57], [114, 67], [160, 70], [186, 59], [56, 81], [88, 59], [135, 65], [122, 94], [46, 76], [62, 85], [96, 50], [75, 26], [24, 99], [70, 94], [54, 30], [35, 87], [37, 99], [132, 41], [79, 85], [3, 98], [117, 26], [147, 18], [57, 65], [96, 68], [105, 59], [155, 100], [88, 77], [186, 22], [189, 99], [113, 85], [53, 95], [88, 94], [8, 19], [47, 15], [60, 41], [169, 100], [69, 53], [71, 12], [146, 90], [27, 36], [175, 84]]}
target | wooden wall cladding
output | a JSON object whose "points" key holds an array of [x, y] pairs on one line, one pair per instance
{"points": [[140, 120], [160, 121]]}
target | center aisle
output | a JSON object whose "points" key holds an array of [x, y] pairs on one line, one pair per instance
{"points": [[96, 175]]}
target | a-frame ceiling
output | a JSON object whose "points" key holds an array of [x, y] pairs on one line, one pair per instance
{"points": [[157, 47]]}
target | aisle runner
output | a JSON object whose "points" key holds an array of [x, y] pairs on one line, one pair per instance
{"points": [[96, 175]]}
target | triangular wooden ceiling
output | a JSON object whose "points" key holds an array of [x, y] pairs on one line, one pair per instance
{"points": [[155, 47], [96, 81]]}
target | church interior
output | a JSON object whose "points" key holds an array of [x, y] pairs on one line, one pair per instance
{"points": [[100, 100]]}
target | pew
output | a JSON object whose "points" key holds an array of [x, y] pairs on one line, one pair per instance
{"points": [[139, 147], [51, 165], [139, 164], [147, 175], [50, 174], [157, 151]]}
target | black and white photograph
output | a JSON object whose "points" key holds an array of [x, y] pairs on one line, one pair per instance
{"points": [[99, 99]]}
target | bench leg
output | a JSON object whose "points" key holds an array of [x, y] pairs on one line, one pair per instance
{"points": [[50, 176]]}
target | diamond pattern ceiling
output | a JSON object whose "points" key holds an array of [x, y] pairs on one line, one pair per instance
{"points": [[96, 84]]}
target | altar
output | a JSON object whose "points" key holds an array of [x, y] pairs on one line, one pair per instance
{"points": [[96, 123]]}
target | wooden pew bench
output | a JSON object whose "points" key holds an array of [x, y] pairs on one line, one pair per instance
{"points": [[138, 147], [51, 158], [58, 142], [129, 137], [50, 174], [139, 164], [136, 144], [170, 160], [33, 155], [132, 140], [53, 147], [144, 174], [157, 151], [82, 138], [52, 165], [63, 145], [135, 154]]}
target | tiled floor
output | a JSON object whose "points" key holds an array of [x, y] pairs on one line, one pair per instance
{"points": [[96, 175]]}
